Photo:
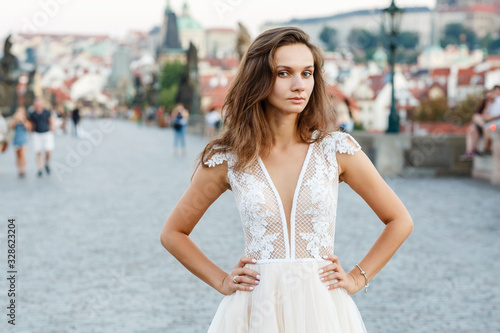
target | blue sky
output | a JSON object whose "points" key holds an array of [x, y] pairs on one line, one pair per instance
{"points": [[116, 17]]}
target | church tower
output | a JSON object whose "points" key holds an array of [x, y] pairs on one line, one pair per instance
{"points": [[170, 33]]}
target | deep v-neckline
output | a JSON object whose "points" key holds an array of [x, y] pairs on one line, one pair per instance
{"points": [[289, 238]]}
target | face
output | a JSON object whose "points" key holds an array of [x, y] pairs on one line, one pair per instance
{"points": [[38, 104], [294, 82]]}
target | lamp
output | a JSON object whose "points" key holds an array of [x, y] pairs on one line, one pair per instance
{"points": [[391, 22]]}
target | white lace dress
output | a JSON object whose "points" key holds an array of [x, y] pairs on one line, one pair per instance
{"points": [[290, 298]]}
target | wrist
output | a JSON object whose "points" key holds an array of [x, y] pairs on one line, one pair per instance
{"points": [[362, 279], [220, 287], [358, 279]]}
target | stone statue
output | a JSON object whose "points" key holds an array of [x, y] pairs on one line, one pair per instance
{"points": [[140, 95], [243, 41], [152, 90], [10, 65], [9, 76], [189, 88], [29, 95]]}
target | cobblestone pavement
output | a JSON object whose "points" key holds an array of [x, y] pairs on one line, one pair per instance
{"points": [[89, 258]]}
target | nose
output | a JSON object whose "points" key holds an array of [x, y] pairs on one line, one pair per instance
{"points": [[298, 83]]}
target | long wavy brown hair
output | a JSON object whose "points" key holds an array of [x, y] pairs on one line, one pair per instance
{"points": [[247, 131]]}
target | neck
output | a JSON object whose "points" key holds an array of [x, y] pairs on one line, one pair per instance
{"points": [[284, 128]]}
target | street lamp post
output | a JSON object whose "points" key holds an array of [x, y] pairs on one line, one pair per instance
{"points": [[391, 20]]}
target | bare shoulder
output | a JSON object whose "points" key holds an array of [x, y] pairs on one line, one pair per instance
{"points": [[215, 168]]}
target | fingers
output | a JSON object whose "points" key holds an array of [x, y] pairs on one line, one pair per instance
{"points": [[241, 279], [331, 257], [241, 284], [245, 260], [245, 278], [333, 272]]}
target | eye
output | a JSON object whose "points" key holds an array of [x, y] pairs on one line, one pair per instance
{"points": [[282, 74], [307, 74]]}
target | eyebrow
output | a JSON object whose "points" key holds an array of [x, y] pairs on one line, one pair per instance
{"points": [[287, 67]]}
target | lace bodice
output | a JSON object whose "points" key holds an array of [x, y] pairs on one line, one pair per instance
{"points": [[314, 207]]}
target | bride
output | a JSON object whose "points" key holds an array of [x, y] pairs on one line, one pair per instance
{"points": [[283, 160]]}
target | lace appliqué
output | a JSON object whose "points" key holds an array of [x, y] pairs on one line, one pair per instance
{"points": [[251, 203], [219, 158], [320, 212], [338, 142], [254, 216]]}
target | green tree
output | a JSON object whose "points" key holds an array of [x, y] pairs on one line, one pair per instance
{"points": [[329, 37], [167, 96], [363, 44], [454, 33], [491, 44], [432, 110], [408, 39], [169, 83], [362, 39], [465, 109]]}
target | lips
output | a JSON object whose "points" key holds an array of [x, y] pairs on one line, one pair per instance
{"points": [[297, 99]]}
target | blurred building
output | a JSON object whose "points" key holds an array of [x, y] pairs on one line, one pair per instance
{"points": [[415, 19], [221, 42], [191, 31]]}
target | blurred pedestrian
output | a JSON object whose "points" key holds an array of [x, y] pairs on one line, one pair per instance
{"points": [[345, 121], [492, 120], [75, 116], [20, 125], [61, 117], [43, 135], [180, 118], [487, 113], [213, 122], [3, 134]]}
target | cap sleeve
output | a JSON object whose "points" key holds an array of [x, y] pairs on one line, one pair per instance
{"points": [[338, 142], [218, 156]]}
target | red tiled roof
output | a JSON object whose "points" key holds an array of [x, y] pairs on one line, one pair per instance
{"points": [[468, 77], [376, 83], [60, 94], [216, 94], [493, 57], [334, 91], [224, 63], [440, 72], [481, 7]]}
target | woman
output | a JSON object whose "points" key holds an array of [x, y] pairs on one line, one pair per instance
{"points": [[179, 120], [21, 125], [283, 162], [476, 128]]}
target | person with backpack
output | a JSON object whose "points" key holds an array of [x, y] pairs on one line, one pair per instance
{"points": [[179, 122]]}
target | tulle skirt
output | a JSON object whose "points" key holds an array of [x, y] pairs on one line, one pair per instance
{"points": [[289, 299]]}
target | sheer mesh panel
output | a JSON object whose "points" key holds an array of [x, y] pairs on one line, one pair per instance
{"points": [[261, 221], [313, 211]]}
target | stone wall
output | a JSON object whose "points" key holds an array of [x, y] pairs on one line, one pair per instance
{"points": [[401, 155], [415, 156]]}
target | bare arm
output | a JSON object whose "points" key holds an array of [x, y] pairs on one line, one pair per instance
{"points": [[52, 124], [361, 175], [207, 185]]}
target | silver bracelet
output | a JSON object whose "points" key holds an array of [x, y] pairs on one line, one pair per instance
{"points": [[366, 279]]}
